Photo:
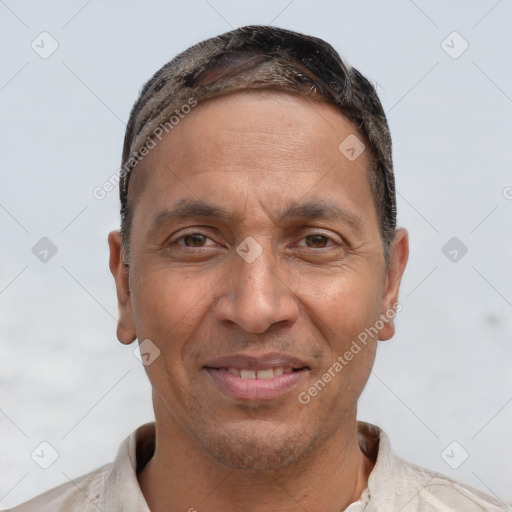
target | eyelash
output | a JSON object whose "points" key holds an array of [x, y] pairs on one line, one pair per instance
{"points": [[182, 237]]}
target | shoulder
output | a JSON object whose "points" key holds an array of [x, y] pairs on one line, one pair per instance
{"points": [[397, 484], [113, 486], [83, 493], [418, 489], [429, 490]]}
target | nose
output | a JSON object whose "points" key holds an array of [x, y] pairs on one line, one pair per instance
{"points": [[257, 296]]}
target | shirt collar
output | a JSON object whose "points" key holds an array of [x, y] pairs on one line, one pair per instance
{"points": [[122, 490], [122, 487]]}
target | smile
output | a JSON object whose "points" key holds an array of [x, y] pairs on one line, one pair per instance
{"points": [[256, 378], [268, 373]]}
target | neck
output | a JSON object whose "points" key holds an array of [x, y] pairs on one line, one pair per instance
{"points": [[181, 476]]}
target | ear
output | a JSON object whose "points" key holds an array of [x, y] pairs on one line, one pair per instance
{"points": [[125, 324], [399, 254]]}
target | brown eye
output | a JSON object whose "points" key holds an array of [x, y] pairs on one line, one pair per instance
{"points": [[194, 240], [316, 241]]}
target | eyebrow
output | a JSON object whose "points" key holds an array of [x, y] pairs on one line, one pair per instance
{"points": [[188, 208], [323, 210], [196, 208]]}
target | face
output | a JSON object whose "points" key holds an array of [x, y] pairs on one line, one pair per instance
{"points": [[255, 262]]}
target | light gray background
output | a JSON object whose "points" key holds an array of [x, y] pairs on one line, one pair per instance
{"points": [[444, 377]]}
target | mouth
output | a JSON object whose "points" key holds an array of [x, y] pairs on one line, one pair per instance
{"points": [[265, 374], [255, 378]]}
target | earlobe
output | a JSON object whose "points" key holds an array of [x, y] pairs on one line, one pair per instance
{"points": [[399, 254], [126, 332]]}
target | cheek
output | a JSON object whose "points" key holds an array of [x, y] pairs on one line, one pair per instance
{"points": [[167, 304], [346, 311], [345, 301], [168, 308]]}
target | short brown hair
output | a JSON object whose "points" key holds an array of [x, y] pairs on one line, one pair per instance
{"points": [[263, 57]]}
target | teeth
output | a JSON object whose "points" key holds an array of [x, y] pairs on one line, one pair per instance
{"points": [[268, 373], [247, 374], [265, 374]]}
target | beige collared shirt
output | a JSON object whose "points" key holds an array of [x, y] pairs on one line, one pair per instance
{"points": [[394, 485]]}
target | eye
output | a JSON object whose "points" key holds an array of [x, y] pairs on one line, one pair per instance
{"points": [[193, 240], [316, 241], [194, 246]]}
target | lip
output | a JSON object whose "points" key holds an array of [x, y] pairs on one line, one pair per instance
{"points": [[254, 361], [256, 389]]}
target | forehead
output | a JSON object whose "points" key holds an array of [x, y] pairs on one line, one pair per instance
{"points": [[266, 146], [262, 123]]}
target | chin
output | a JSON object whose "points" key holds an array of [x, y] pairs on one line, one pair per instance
{"points": [[268, 449]]}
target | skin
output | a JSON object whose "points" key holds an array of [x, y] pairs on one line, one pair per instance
{"points": [[317, 284]]}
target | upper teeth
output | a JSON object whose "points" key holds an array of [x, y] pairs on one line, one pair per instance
{"points": [[268, 373]]}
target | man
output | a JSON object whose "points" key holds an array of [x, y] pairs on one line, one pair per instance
{"points": [[258, 265]]}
